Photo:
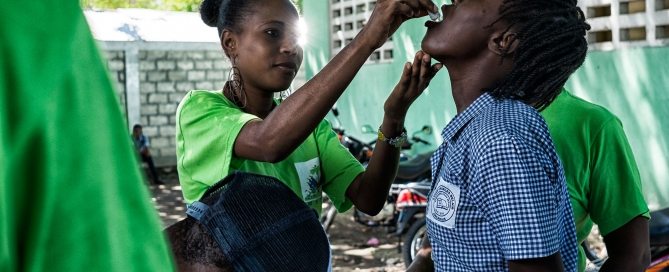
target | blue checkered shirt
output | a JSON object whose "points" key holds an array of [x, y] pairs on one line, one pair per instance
{"points": [[500, 192]]}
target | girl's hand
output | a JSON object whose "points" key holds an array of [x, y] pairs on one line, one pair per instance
{"points": [[388, 15], [415, 78]]}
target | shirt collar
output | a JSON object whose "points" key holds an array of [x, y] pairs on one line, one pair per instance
{"points": [[463, 118]]}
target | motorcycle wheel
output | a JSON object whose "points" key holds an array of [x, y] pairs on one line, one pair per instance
{"points": [[412, 240]]}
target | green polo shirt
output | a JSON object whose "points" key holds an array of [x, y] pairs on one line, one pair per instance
{"points": [[602, 176], [207, 127]]}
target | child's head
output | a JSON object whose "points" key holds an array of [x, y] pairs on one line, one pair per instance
{"points": [[260, 38], [194, 249], [137, 130], [544, 40], [551, 46]]}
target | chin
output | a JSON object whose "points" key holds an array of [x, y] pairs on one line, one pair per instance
{"points": [[425, 46]]}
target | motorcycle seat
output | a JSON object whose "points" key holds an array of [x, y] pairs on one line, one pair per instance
{"points": [[659, 227], [414, 167]]}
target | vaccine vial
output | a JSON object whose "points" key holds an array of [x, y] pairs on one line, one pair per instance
{"points": [[435, 16]]}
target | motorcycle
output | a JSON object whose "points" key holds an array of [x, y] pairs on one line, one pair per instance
{"points": [[412, 204], [414, 166]]}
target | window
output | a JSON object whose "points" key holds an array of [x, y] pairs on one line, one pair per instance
{"points": [[348, 18], [626, 23], [388, 54], [662, 31], [360, 24], [601, 11], [599, 36], [633, 34], [360, 8], [632, 7], [375, 56]]}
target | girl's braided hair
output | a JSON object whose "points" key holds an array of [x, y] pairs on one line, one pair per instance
{"points": [[551, 46]]}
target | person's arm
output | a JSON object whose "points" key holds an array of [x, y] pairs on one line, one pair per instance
{"points": [[616, 202], [423, 261], [628, 247], [369, 191], [289, 124], [144, 148]]}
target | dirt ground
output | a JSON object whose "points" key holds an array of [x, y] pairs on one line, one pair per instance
{"points": [[349, 240]]}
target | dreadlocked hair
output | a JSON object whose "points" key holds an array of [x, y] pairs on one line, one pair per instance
{"points": [[551, 46]]}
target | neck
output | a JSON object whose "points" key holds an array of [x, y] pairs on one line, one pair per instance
{"points": [[469, 80], [257, 102]]}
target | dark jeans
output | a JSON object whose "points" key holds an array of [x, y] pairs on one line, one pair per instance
{"points": [[152, 168]]}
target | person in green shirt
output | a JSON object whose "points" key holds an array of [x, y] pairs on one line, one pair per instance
{"points": [[71, 194], [603, 180], [242, 128]]}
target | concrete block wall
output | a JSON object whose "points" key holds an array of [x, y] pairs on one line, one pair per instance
{"points": [[152, 78], [116, 67]]}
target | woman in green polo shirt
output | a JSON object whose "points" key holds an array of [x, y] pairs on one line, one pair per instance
{"points": [[243, 128]]}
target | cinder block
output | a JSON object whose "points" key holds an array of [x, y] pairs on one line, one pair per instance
{"points": [[185, 65], [167, 108], [204, 64], [185, 86], [215, 75], [158, 120], [165, 64], [176, 97], [149, 109], [205, 85], [167, 131], [196, 75], [177, 75], [154, 55], [157, 76], [165, 87], [157, 98], [147, 87]]}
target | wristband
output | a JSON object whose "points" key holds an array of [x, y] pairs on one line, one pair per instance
{"points": [[397, 142]]}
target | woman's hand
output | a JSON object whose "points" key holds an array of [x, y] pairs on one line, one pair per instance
{"points": [[414, 80], [388, 15]]}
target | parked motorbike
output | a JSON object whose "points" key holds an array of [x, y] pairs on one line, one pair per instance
{"points": [[412, 204], [414, 166]]}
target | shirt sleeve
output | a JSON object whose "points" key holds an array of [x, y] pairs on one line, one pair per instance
{"points": [[340, 168], [518, 199], [207, 127], [616, 196]]}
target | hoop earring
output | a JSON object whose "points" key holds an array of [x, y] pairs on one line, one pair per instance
{"points": [[234, 87]]}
